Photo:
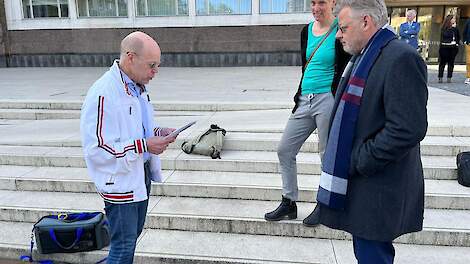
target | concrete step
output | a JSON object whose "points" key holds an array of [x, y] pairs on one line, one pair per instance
{"points": [[246, 141], [431, 145], [441, 227], [46, 114], [440, 194], [38, 114], [238, 120], [435, 167], [158, 105], [173, 246]]}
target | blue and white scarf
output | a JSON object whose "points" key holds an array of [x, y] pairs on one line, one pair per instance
{"points": [[337, 156]]}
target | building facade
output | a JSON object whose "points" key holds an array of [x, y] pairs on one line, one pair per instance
{"points": [[190, 32]]}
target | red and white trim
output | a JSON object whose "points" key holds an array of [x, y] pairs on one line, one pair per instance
{"points": [[118, 197], [140, 145], [99, 133]]}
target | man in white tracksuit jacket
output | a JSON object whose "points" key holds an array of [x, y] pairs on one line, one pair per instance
{"points": [[121, 142]]}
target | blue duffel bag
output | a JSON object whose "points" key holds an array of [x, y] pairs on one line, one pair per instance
{"points": [[73, 232]]}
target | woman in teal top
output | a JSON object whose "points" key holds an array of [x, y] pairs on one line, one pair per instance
{"points": [[313, 102], [318, 75]]}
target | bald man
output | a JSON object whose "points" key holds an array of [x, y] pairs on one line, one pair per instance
{"points": [[121, 142]]}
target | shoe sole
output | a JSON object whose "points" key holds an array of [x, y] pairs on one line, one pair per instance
{"points": [[286, 217], [309, 225]]}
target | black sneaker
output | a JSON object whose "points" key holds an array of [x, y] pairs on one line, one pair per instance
{"points": [[313, 219], [286, 210]]}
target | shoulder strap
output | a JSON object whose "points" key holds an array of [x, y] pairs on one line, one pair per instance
{"points": [[318, 46], [196, 140]]}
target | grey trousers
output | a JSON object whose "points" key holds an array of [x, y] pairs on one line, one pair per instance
{"points": [[312, 113]]}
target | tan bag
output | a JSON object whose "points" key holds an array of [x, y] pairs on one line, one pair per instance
{"points": [[208, 143]]}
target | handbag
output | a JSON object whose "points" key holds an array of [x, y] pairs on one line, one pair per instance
{"points": [[74, 232], [463, 168], [208, 143]]}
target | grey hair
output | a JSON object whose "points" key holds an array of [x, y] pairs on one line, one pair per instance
{"points": [[376, 9]]}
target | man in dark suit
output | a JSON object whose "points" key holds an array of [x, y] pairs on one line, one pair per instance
{"points": [[372, 183], [410, 29]]}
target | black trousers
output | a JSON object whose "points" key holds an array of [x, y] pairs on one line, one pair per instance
{"points": [[447, 56]]}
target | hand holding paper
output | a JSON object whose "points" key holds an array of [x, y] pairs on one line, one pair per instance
{"points": [[157, 145]]}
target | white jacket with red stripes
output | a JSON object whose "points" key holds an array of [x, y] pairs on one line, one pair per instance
{"points": [[111, 131]]}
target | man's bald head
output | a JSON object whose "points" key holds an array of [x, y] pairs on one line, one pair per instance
{"points": [[140, 57], [137, 42]]}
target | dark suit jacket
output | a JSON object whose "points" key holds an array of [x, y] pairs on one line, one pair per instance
{"points": [[385, 196], [341, 59], [466, 32]]}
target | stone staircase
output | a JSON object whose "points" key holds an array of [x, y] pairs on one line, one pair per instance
{"points": [[211, 211]]}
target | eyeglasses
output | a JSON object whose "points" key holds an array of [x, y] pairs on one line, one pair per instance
{"points": [[343, 29], [151, 65]]}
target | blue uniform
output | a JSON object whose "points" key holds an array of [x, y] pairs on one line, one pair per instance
{"points": [[409, 33]]}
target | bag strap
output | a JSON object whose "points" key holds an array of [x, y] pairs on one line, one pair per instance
{"points": [[318, 46], [29, 258], [78, 235], [196, 140], [218, 146]]}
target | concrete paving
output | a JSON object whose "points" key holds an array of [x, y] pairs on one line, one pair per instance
{"points": [[172, 246], [241, 85], [457, 85], [436, 167], [440, 193], [174, 84], [16, 132], [42, 169], [441, 227], [237, 84]]}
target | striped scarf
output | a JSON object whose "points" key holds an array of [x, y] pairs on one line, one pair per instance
{"points": [[337, 156]]}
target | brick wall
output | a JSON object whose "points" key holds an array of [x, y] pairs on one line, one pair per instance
{"points": [[196, 46]]}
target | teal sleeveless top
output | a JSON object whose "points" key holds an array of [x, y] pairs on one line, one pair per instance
{"points": [[319, 73]]}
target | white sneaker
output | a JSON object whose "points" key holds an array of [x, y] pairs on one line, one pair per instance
{"points": [[467, 81]]}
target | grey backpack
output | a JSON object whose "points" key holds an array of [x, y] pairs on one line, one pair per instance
{"points": [[208, 143]]}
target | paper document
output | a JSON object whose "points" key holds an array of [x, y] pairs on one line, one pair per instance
{"points": [[181, 129]]}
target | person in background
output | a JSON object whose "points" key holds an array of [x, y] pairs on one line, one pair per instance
{"points": [[410, 29], [323, 61], [466, 41], [449, 47], [121, 142], [372, 182]]}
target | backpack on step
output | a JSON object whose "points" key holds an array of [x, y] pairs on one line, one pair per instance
{"points": [[463, 168], [208, 143]]}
